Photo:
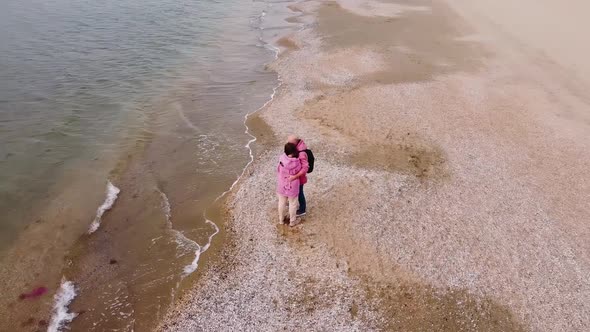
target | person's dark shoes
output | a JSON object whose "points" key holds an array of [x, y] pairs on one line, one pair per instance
{"points": [[301, 213]]}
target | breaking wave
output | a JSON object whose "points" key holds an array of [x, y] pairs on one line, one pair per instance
{"points": [[60, 316], [112, 192]]}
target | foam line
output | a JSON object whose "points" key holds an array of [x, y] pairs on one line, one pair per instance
{"points": [[181, 239], [192, 267], [111, 196], [60, 316], [200, 250], [247, 132]]}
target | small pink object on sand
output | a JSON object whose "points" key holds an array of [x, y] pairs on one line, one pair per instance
{"points": [[34, 293]]}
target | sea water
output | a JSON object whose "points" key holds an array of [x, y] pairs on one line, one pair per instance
{"points": [[121, 122]]}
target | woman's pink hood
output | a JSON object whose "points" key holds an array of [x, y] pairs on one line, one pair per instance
{"points": [[290, 163], [288, 166]]}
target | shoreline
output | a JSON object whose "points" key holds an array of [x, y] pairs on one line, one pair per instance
{"points": [[426, 210], [200, 239], [119, 281]]}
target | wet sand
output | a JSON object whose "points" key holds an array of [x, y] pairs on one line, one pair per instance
{"points": [[450, 190], [188, 150]]}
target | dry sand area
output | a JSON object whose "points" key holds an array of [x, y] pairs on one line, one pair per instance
{"points": [[452, 176]]}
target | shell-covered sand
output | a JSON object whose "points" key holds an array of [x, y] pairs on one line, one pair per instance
{"points": [[450, 193]]}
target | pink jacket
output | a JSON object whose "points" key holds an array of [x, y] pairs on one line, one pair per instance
{"points": [[304, 163], [288, 166]]}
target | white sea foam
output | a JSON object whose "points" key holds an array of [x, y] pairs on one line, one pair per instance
{"points": [[112, 192], [60, 316], [166, 208], [182, 241], [195, 263]]}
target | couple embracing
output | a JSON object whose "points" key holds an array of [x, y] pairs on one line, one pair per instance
{"points": [[294, 164]]}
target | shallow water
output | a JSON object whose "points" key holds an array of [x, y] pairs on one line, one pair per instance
{"points": [[148, 95]]}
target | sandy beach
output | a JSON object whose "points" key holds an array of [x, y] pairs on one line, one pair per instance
{"points": [[452, 176]]}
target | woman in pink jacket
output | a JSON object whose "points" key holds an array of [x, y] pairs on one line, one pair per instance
{"points": [[288, 185]]}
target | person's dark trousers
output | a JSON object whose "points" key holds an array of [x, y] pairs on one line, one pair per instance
{"points": [[302, 205]]}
